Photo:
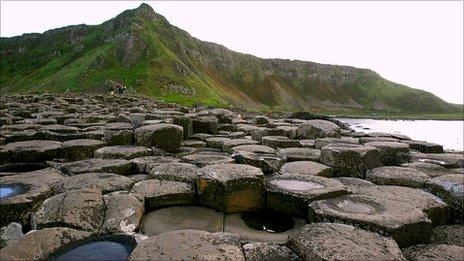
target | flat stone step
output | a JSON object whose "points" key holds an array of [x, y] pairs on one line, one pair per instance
{"points": [[165, 193], [292, 193], [116, 166], [332, 241], [23, 193], [182, 218], [122, 152], [231, 188], [406, 224], [189, 245], [305, 168], [398, 176]]}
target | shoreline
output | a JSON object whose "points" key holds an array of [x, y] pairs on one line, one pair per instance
{"points": [[392, 118]]}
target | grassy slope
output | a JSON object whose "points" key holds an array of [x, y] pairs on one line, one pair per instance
{"points": [[83, 57]]}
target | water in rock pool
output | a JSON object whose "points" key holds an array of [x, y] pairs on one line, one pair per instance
{"points": [[296, 185], [356, 207], [449, 134], [10, 190], [268, 221], [100, 250], [5, 192]]}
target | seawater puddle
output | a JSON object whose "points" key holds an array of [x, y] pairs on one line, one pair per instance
{"points": [[9, 190], [296, 185], [351, 206], [114, 248], [5, 192], [268, 221]]}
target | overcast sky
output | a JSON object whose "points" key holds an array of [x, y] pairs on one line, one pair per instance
{"points": [[419, 44]]}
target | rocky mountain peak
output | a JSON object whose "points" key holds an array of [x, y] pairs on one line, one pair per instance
{"points": [[134, 17]]}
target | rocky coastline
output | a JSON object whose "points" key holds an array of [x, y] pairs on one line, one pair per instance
{"points": [[131, 178]]}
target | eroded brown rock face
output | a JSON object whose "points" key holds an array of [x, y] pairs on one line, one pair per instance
{"points": [[87, 166]]}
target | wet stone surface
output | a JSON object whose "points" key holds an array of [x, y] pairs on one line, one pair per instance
{"points": [[292, 193]]}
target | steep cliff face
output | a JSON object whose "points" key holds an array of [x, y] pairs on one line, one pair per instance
{"points": [[140, 49]]}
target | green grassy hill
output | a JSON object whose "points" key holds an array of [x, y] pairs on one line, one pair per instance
{"points": [[140, 49]]}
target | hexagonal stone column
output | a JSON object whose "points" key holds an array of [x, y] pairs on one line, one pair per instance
{"points": [[205, 124], [268, 251], [279, 142], [319, 143], [310, 168], [350, 160], [399, 176], [434, 252], [23, 193], [204, 158], [406, 224], [176, 171], [165, 193], [123, 212], [80, 149], [423, 146], [259, 156], [451, 189], [260, 120], [118, 133], [189, 245], [106, 182], [447, 160], [354, 184], [83, 209], [145, 164], [437, 210], [122, 152], [258, 133], [228, 144], [391, 153], [163, 136], [186, 123], [31, 151], [10, 233], [231, 188], [448, 235], [182, 218], [432, 170], [332, 241], [296, 154], [40, 244], [292, 193], [116, 166], [314, 129]]}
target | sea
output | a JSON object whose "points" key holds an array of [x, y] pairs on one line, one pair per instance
{"points": [[449, 134]]}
